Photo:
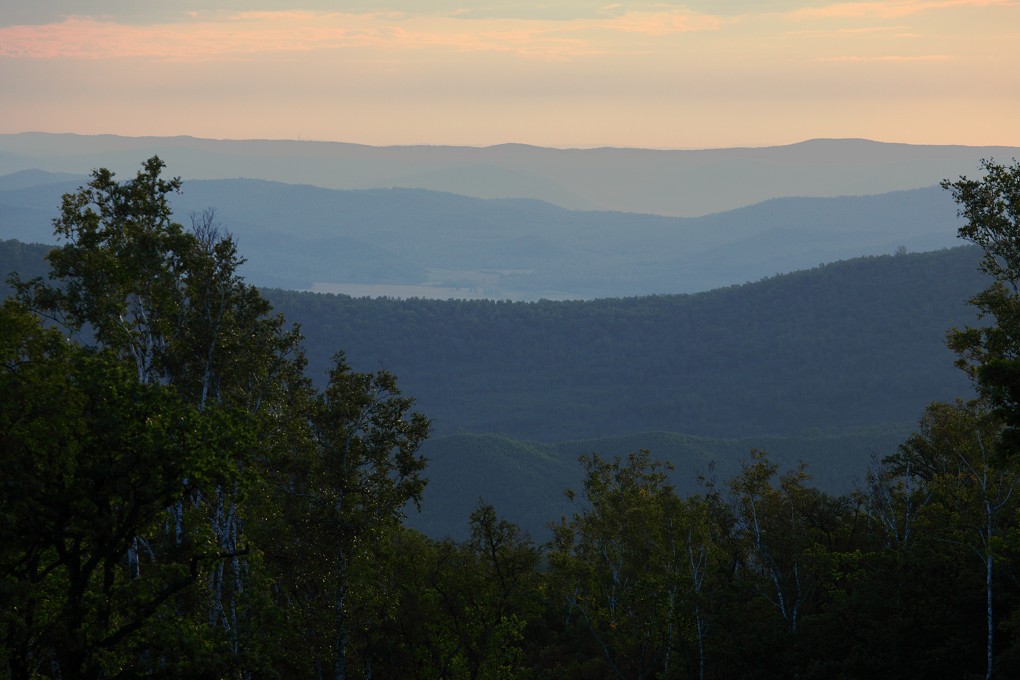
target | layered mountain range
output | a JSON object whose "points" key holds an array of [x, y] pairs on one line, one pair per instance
{"points": [[543, 303]]}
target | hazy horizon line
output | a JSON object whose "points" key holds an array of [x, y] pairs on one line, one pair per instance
{"points": [[301, 140]]}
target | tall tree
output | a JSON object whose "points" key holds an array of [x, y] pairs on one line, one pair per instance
{"points": [[990, 207], [92, 458], [991, 356], [631, 568], [169, 301], [337, 495], [461, 608], [969, 487]]}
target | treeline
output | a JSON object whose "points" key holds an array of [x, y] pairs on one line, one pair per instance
{"points": [[178, 500]]}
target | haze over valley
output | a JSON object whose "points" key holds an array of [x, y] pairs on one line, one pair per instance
{"points": [[785, 209]]}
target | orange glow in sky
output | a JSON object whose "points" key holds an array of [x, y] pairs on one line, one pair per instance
{"points": [[645, 74]]}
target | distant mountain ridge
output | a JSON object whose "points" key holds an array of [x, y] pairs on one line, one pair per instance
{"points": [[422, 243], [667, 182]]}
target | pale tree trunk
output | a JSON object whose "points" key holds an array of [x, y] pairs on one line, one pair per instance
{"points": [[340, 644], [988, 600], [994, 502], [697, 579]]}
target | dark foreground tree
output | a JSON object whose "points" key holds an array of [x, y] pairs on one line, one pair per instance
{"points": [[630, 569], [91, 460], [337, 497], [457, 610], [169, 302], [991, 353], [987, 466]]}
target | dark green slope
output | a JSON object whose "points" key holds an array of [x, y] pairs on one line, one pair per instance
{"points": [[27, 259], [526, 481], [839, 347]]}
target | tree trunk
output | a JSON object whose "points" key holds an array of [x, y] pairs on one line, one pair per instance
{"points": [[988, 605], [340, 645]]}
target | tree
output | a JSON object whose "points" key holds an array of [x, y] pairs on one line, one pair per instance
{"points": [[122, 268], [92, 458], [189, 428], [631, 568], [784, 538], [131, 281], [498, 565], [772, 526], [460, 608], [967, 486], [991, 354], [337, 495]]}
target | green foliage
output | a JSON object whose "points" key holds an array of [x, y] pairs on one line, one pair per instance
{"points": [[333, 498], [131, 282], [92, 459], [447, 609], [480, 596], [971, 500], [990, 354], [991, 208], [121, 266], [631, 566]]}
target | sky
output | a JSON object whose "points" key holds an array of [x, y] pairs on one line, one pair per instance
{"points": [[656, 74]]}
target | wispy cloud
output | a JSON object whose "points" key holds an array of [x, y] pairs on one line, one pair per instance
{"points": [[665, 23], [861, 30], [207, 36], [86, 38], [891, 9], [888, 58]]}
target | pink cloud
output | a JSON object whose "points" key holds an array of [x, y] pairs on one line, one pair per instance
{"points": [[665, 23], [894, 8], [889, 58], [887, 30], [211, 36], [82, 38]]}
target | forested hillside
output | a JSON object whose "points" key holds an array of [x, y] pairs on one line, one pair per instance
{"points": [[846, 345], [526, 480], [26, 259], [843, 346]]}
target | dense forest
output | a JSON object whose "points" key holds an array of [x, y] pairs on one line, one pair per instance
{"points": [[845, 345], [849, 344], [181, 500], [516, 391]]}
